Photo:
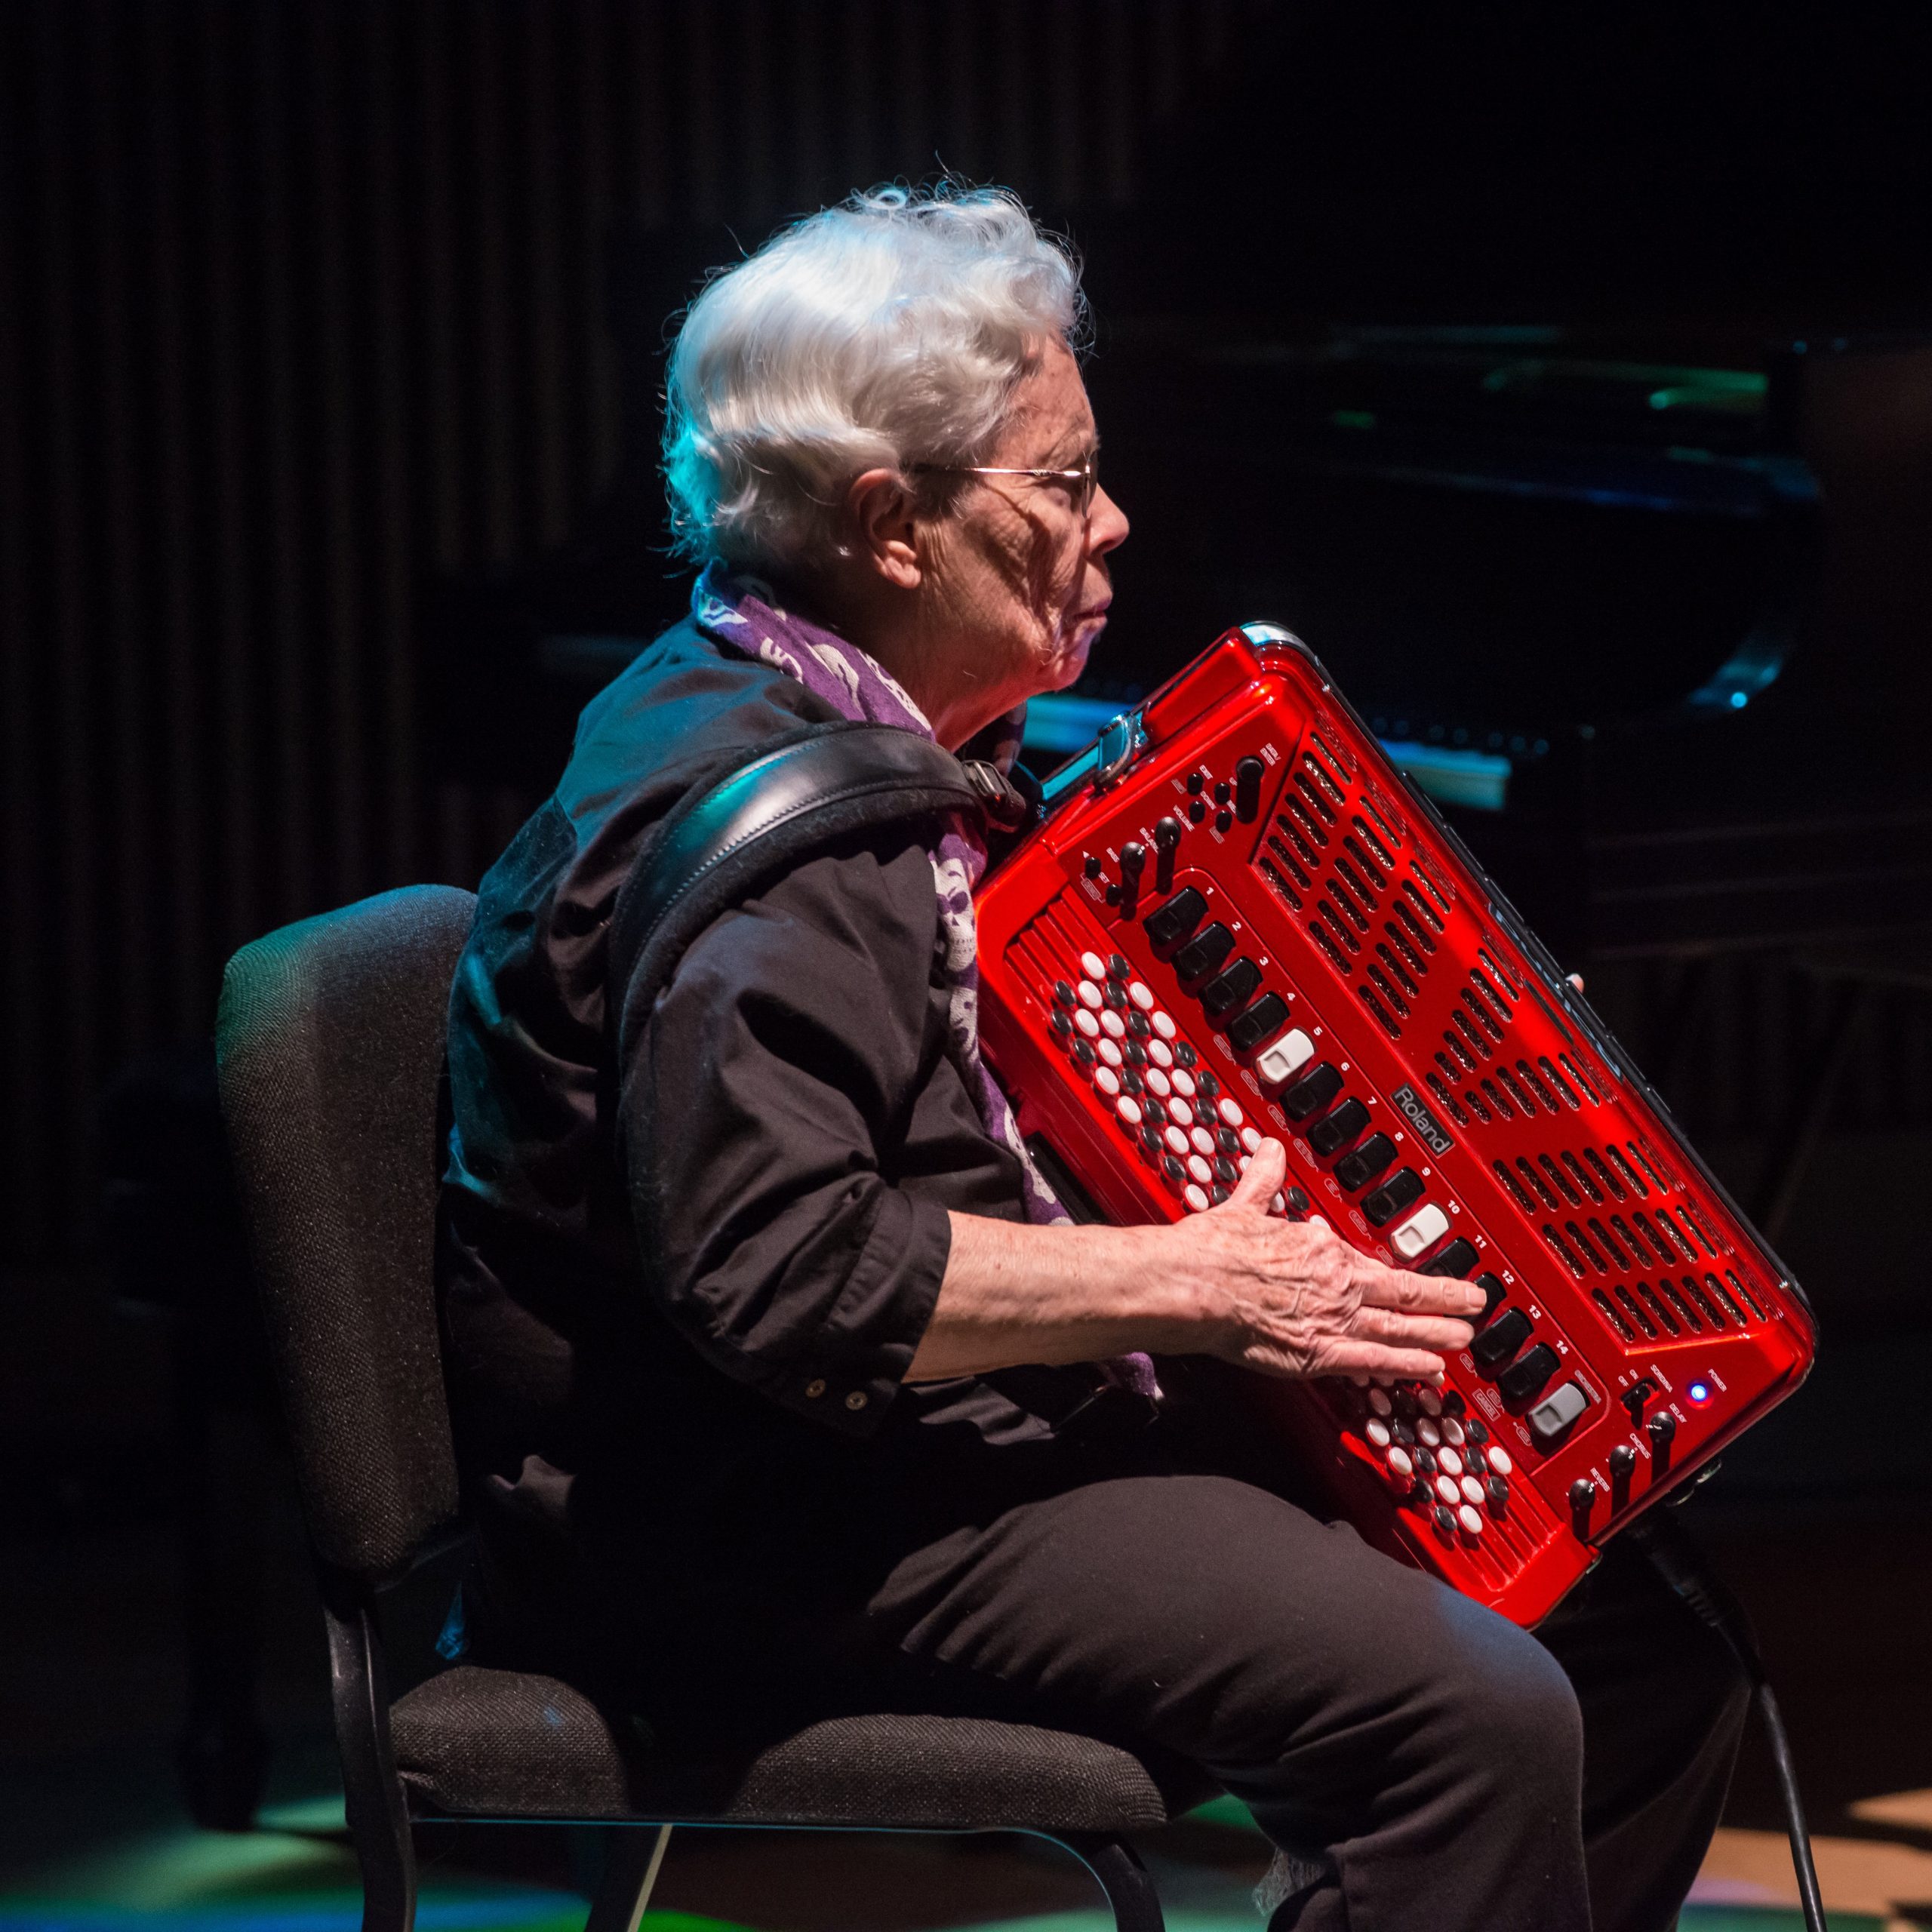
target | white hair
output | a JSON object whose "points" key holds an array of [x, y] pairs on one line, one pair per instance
{"points": [[888, 331]]}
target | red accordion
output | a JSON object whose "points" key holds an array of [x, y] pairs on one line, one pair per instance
{"points": [[1239, 920]]}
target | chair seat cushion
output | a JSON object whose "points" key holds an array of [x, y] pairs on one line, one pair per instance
{"points": [[494, 1743]]}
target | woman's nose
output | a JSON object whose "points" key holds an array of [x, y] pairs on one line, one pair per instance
{"points": [[1106, 525]]}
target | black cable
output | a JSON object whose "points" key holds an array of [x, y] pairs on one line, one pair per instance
{"points": [[1686, 1569]]}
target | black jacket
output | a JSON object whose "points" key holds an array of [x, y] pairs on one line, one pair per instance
{"points": [[726, 1414]]}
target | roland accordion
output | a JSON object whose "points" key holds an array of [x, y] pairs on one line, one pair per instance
{"points": [[1238, 920]]}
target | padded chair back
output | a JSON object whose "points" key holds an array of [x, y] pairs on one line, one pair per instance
{"points": [[330, 1049]]}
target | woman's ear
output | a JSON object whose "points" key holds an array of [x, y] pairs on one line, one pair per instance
{"points": [[880, 514]]}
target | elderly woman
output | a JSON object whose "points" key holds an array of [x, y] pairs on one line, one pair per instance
{"points": [[831, 1444]]}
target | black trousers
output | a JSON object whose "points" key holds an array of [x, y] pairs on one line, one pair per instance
{"points": [[1452, 1773], [1441, 1770]]}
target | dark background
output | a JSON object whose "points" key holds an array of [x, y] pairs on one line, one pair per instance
{"points": [[324, 324], [305, 318]]}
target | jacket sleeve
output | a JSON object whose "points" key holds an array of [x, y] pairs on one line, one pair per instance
{"points": [[762, 1119]]}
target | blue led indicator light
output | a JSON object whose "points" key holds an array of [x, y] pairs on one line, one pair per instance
{"points": [[1699, 1392]]}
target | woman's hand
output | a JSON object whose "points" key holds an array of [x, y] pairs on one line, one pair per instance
{"points": [[1294, 1299]]}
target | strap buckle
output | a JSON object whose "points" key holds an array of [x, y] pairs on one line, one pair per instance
{"points": [[999, 798]]}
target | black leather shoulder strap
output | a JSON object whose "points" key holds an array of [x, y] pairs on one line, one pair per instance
{"points": [[725, 841]]}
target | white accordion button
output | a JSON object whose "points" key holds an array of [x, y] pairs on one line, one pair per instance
{"points": [[1231, 1116], [1160, 1053], [1163, 1025], [1128, 1108], [1471, 1489], [1112, 1024], [1107, 1080], [1445, 1487], [1090, 994], [1450, 1463], [1423, 1228], [1250, 1139], [1452, 1431], [1196, 1199], [1142, 996], [1427, 1434], [1183, 1082], [1499, 1461], [1378, 1400], [1281, 1061], [1400, 1462], [1092, 965], [1204, 1141], [1377, 1430], [1429, 1401], [1176, 1139], [1110, 1054], [1181, 1113], [1199, 1170], [1157, 1083], [1470, 1521], [1087, 1024]]}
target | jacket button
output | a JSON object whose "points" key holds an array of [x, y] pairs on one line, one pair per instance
{"points": [[815, 1387], [856, 1400]]}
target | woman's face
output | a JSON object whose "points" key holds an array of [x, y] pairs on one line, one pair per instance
{"points": [[1018, 574]]}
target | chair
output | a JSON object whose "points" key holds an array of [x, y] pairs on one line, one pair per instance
{"points": [[329, 1045]]}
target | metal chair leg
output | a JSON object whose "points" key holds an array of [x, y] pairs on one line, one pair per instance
{"points": [[630, 1875], [378, 1822], [1137, 1905]]}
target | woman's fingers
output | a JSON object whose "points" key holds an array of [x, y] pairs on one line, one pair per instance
{"points": [[1354, 1354], [1415, 1331], [1418, 1294]]}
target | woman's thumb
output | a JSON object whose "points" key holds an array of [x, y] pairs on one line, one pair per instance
{"points": [[1261, 1180]]}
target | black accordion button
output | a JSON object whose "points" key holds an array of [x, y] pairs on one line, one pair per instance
{"points": [[1457, 1259], [1234, 988], [1359, 1167], [1333, 1132], [1206, 952], [1312, 1092], [1259, 1024], [1499, 1340], [1392, 1196], [1173, 919]]}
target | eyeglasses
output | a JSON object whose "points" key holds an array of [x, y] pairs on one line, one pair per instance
{"points": [[1083, 483]]}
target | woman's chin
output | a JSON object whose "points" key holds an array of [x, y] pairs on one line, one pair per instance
{"points": [[1071, 659]]}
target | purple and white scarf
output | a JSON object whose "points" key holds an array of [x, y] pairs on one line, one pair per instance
{"points": [[742, 613]]}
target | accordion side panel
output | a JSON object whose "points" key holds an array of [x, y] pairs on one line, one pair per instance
{"points": [[1469, 1117]]}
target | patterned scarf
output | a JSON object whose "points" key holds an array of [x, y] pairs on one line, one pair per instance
{"points": [[742, 613]]}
